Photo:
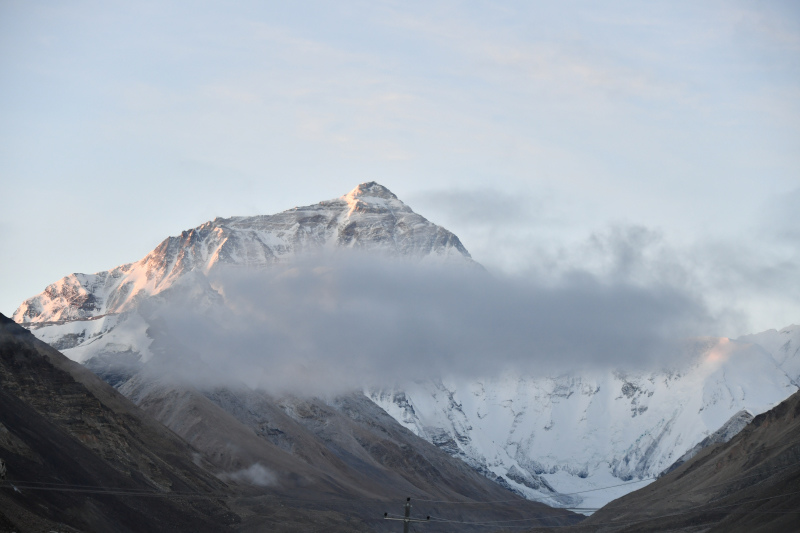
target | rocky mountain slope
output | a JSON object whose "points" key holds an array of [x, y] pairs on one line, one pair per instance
{"points": [[729, 429], [343, 449], [67, 438], [555, 439], [750, 484]]}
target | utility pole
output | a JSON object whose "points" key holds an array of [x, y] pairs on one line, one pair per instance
{"points": [[407, 519]]}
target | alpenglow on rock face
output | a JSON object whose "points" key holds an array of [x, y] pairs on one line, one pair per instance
{"points": [[368, 218]]}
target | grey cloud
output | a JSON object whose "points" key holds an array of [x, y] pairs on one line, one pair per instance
{"points": [[625, 247], [622, 254], [356, 321], [749, 283], [756, 280]]}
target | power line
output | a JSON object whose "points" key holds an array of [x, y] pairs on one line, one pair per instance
{"points": [[728, 482], [68, 487], [90, 489], [406, 519], [675, 513], [591, 490], [522, 499], [116, 492], [95, 489], [703, 507]]}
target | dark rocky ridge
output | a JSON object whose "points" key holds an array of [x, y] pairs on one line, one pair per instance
{"points": [[729, 429], [61, 425]]}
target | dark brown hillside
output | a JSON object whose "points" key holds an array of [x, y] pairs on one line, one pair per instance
{"points": [[62, 431], [334, 464]]}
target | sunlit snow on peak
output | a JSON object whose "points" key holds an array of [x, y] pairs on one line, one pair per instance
{"points": [[371, 189], [721, 351]]}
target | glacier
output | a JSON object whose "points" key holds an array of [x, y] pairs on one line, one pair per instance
{"points": [[558, 438]]}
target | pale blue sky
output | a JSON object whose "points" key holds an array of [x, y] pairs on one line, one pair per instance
{"points": [[524, 127]]}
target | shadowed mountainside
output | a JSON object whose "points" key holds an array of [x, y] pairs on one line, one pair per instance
{"points": [[341, 454], [64, 433]]}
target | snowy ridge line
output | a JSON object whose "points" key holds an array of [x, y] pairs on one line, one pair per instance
{"points": [[369, 218], [37, 325]]}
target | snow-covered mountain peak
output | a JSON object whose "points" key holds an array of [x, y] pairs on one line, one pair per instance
{"points": [[370, 218], [370, 189], [371, 197]]}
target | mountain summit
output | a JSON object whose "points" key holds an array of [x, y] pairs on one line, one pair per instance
{"points": [[369, 218], [371, 189]]}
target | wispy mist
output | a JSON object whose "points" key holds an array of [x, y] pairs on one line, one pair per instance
{"points": [[355, 321], [748, 276], [256, 474]]}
